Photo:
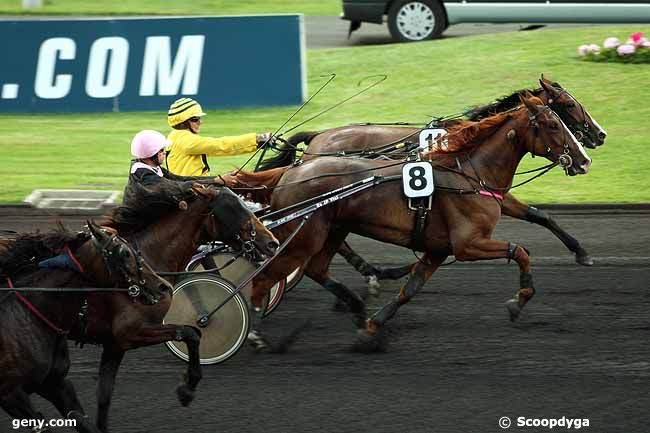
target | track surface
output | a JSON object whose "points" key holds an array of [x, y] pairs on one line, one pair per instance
{"points": [[454, 363]]}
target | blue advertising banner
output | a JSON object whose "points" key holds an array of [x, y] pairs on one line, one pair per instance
{"points": [[145, 64]]}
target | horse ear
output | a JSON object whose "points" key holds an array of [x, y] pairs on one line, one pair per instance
{"points": [[548, 87], [530, 105], [204, 191], [95, 231]]}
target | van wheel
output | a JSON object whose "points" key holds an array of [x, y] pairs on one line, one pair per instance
{"points": [[416, 20]]}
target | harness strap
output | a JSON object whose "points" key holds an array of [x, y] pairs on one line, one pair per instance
{"points": [[74, 259], [34, 310], [490, 194], [420, 223]]}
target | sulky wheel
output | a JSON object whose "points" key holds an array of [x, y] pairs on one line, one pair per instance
{"points": [[226, 330]]}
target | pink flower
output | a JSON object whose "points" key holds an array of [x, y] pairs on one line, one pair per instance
{"points": [[625, 49], [645, 44], [594, 48], [636, 37], [583, 49], [611, 43]]}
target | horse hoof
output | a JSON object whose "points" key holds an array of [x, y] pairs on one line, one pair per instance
{"points": [[257, 341], [373, 285], [584, 259], [371, 342], [185, 394], [513, 309]]}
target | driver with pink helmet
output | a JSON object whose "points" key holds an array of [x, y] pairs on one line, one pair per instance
{"points": [[148, 147]]}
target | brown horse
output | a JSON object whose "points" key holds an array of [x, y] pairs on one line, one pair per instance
{"points": [[365, 137], [481, 156], [167, 224], [33, 348]]}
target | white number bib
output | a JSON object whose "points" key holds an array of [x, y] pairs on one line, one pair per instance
{"points": [[417, 179], [428, 135]]}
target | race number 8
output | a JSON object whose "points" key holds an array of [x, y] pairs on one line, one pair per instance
{"points": [[417, 179]]}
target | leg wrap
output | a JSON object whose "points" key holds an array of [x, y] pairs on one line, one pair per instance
{"points": [[352, 299], [512, 250], [363, 267], [525, 280], [536, 216]]}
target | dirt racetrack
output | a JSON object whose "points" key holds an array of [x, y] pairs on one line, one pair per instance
{"points": [[454, 363]]}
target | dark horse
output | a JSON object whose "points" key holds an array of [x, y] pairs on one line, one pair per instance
{"points": [[33, 347], [367, 137], [481, 156], [167, 223]]}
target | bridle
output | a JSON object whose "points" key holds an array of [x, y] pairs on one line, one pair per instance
{"points": [[580, 130], [115, 264], [248, 248], [564, 159]]}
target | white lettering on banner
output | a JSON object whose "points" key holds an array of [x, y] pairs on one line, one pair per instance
{"points": [[47, 84], [157, 69], [103, 82]]}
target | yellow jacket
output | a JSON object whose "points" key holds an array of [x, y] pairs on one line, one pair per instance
{"points": [[187, 152]]}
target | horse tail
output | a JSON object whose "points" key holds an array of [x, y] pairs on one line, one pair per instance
{"points": [[259, 185], [286, 151]]}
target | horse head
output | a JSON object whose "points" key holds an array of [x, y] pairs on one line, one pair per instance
{"points": [[574, 115], [552, 139], [125, 263], [233, 223]]}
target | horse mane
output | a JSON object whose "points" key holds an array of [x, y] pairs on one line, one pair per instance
{"points": [[144, 204], [259, 185], [286, 151], [464, 137], [502, 104], [23, 251]]}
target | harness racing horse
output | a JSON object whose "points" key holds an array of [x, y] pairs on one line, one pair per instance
{"points": [[33, 348], [365, 138], [166, 224], [481, 160]]}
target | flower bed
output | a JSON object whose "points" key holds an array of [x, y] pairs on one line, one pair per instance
{"points": [[635, 50]]}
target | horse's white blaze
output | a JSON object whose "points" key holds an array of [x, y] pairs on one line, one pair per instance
{"points": [[581, 149], [596, 124]]}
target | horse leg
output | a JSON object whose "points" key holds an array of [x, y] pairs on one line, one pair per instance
{"points": [[318, 270], [517, 209], [256, 337], [486, 249], [370, 339], [18, 405], [152, 334], [109, 364], [372, 273], [60, 391], [62, 395], [368, 271]]}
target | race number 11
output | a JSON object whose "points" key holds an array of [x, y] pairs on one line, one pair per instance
{"points": [[417, 179]]}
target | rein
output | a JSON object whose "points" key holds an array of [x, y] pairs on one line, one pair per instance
{"points": [[35, 310], [338, 104], [264, 145]]}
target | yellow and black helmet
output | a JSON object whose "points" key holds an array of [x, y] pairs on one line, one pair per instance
{"points": [[182, 109]]}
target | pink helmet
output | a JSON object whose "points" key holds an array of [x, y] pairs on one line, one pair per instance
{"points": [[147, 143]]}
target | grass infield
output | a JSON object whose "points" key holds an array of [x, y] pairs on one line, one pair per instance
{"points": [[170, 7], [438, 77]]}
